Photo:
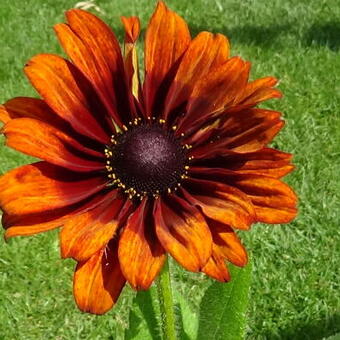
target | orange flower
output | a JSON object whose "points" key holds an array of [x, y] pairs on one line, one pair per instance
{"points": [[132, 171]]}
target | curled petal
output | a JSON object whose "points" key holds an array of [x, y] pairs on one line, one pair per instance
{"points": [[132, 31], [43, 141], [41, 186], [167, 37], [183, 232], [98, 281], [141, 256]]}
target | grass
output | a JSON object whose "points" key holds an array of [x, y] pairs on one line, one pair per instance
{"points": [[296, 275]]}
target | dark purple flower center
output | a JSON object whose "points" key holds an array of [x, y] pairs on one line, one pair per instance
{"points": [[147, 160]]}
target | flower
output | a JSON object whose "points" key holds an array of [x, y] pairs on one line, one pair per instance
{"points": [[132, 171]]}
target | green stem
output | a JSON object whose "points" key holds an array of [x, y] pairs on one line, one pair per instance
{"points": [[166, 303]]}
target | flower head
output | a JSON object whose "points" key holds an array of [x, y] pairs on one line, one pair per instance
{"points": [[131, 171]]}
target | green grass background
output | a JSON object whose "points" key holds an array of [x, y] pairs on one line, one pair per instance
{"points": [[296, 268]]}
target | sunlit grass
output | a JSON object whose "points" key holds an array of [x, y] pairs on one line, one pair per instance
{"points": [[295, 291]]}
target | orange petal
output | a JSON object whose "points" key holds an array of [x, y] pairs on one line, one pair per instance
{"points": [[25, 107], [267, 162], [4, 115], [83, 235], [140, 254], [183, 232], [205, 52], [216, 267], [30, 224], [221, 202], [42, 186], [213, 92], [245, 131], [94, 49], [203, 134], [132, 29], [69, 94], [228, 244], [259, 90], [99, 281], [27, 229], [274, 201], [167, 37], [38, 139], [261, 96]]}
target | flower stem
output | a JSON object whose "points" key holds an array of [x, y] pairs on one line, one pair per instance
{"points": [[166, 303]]}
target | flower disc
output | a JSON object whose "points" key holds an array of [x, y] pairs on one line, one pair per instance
{"points": [[148, 159]]}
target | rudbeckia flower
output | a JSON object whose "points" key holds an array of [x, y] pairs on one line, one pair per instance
{"points": [[134, 170]]}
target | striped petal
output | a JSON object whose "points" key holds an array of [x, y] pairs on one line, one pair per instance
{"points": [[183, 232], [69, 94], [216, 267], [204, 53], [166, 39], [214, 92], [41, 140], [41, 186], [221, 202], [258, 91], [273, 200], [141, 256], [33, 223], [228, 244], [25, 107], [245, 131], [267, 162], [98, 281], [85, 234], [94, 49]]}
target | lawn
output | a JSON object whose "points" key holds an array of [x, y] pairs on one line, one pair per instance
{"points": [[295, 292]]}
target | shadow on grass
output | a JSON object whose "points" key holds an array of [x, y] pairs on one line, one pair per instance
{"points": [[325, 34], [313, 330], [316, 35], [264, 36]]}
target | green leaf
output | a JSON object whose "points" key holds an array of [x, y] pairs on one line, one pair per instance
{"points": [[187, 319], [223, 307], [144, 317], [334, 337]]}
